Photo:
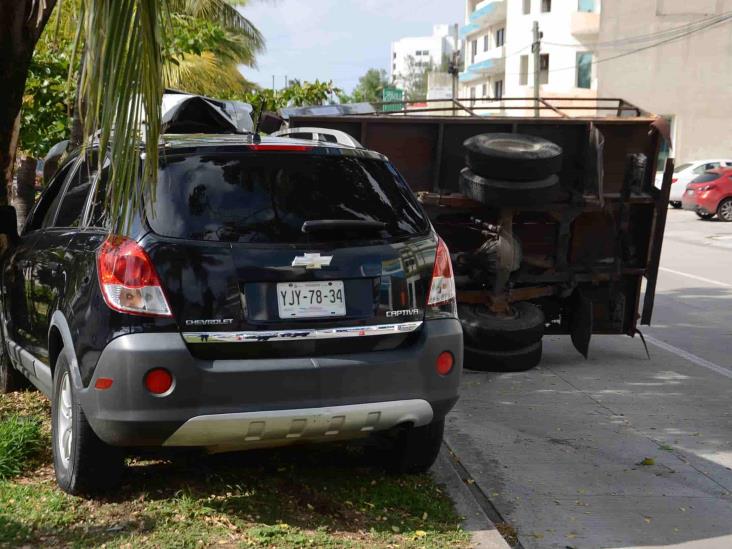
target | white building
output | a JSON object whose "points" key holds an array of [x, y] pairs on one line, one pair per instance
{"points": [[498, 59], [424, 50], [688, 78]]}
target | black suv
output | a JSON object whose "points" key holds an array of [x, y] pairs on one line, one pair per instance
{"points": [[267, 293]]}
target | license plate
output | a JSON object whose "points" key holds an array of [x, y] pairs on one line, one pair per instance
{"points": [[311, 299]]}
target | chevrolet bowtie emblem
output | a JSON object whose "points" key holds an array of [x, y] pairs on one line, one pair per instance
{"points": [[312, 261]]}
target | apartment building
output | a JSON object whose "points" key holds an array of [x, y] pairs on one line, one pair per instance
{"points": [[498, 35], [673, 58], [423, 51]]}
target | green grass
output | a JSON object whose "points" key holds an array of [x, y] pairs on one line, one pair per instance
{"points": [[20, 441], [319, 496]]}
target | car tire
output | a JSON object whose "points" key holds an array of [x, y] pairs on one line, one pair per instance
{"points": [[11, 380], [513, 157], [675, 205], [84, 464], [704, 216], [498, 192], [724, 212], [412, 450], [519, 360], [489, 332]]}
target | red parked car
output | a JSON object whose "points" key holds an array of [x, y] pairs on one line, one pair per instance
{"points": [[710, 194]]}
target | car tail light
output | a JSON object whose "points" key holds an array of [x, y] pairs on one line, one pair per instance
{"points": [[159, 381], [674, 180], [128, 279], [442, 300], [708, 188]]}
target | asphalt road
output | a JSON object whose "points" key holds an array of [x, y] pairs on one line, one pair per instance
{"points": [[619, 451]]}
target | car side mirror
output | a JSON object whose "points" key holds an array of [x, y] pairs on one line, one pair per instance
{"points": [[9, 223], [269, 122]]}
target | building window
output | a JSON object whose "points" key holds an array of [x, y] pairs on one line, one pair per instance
{"points": [[584, 70], [588, 6], [473, 50], [527, 7], [485, 90], [544, 69], [473, 91], [394, 55], [486, 45], [524, 72], [546, 6], [498, 89], [500, 37]]}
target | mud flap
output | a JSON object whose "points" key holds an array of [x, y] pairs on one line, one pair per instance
{"points": [[581, 322]]}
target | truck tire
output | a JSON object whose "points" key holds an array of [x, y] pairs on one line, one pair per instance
{"points": [[519, 360], [413, 450], [498, 192], [488, 332], [513, 157], [84, 464]]}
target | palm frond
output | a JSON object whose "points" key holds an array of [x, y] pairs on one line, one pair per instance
{"points": [[206, 74], [222, 12], [122, 81]]}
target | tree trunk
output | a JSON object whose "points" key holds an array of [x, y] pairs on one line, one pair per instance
{"points": [[21, 24], [24, 189]]}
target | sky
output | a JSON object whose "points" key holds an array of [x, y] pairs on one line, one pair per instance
{"points": [[338, 40]]}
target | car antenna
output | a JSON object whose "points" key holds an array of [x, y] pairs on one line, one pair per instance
{"points": [[256, 138]]}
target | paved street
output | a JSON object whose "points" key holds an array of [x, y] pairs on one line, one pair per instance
{"points": [[619, 451]]}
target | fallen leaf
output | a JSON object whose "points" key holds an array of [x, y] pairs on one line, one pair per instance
{"points": [[647, 462]]}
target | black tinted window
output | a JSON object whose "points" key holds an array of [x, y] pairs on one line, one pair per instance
{"points": [[706, 178], [267, 197], [44, 212], [77, 191], [99, 217]]}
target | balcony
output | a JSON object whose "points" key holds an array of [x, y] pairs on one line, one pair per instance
{"points": [[488, 13], [585, 24], [469, 29], [488, 63], [468, 76]]}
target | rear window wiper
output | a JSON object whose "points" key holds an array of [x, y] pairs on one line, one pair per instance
{"points": [[341, 224]]}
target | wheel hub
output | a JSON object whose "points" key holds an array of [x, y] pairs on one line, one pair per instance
{"points": [[64, 421]]}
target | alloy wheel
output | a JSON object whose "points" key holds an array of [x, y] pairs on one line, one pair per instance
{"points": [[725, 210], [65, 423]]}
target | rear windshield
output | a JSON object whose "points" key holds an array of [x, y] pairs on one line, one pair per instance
{"points": [[682, 168], [706, 178], [267, 197]]}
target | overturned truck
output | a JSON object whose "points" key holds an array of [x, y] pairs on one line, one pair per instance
{"points": [[550, 213]]}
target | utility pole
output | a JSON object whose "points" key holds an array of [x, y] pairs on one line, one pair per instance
{"points": [[536, 49], [454, 70]]}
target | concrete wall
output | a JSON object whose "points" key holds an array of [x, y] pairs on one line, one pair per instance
{"points": [[689, 79]]}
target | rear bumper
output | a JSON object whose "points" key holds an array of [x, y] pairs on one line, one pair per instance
{"points": [[224, 404]]}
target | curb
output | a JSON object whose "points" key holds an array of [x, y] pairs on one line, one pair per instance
{"points": [[484, 534]]}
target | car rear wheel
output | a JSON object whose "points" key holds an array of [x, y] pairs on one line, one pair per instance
{"points": [[704, 216], [675, 205], [83, 463], [412, 450], [519, 360], [725, 210]]}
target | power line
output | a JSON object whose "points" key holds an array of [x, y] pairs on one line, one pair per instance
{"points": [[650, 36], [645, 48]]}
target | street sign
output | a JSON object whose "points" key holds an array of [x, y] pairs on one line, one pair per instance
{"points": [[392, 94]]}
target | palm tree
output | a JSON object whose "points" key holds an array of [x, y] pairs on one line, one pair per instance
{"points": [[123, 74]]}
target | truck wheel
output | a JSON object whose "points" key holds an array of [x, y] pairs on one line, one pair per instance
{"points": [[83, 463], [498, 192], [725, 210], [704, 216], [519, 360], [513, 157], [412, 450], [11, 380], [489, 332]]}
